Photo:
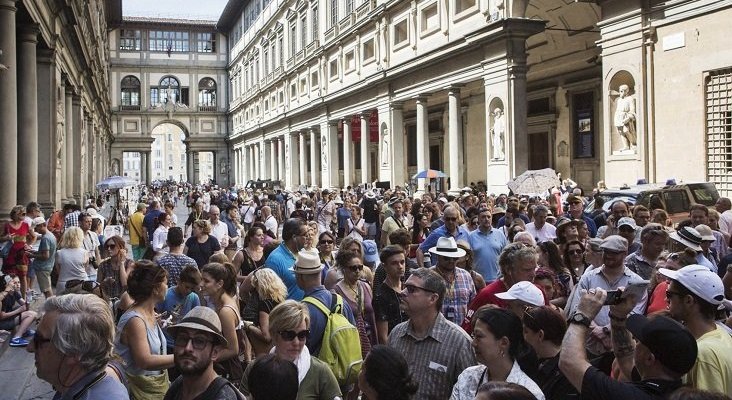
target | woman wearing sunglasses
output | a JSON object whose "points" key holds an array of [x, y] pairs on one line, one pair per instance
{"points": [[289, 324], [358, 295], [113, 271]]}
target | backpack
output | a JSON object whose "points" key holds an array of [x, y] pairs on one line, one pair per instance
{"points": [[341, 346]]}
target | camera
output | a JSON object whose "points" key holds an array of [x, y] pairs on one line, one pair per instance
{"points": [[93, 262]]}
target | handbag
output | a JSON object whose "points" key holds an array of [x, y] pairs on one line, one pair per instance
{"points": [[5, 249]]}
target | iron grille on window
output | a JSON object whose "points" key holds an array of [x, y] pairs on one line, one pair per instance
{"points": [[719, 129]]}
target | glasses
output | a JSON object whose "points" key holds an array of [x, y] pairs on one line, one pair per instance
{"points": [[574, 252], [291, 335], [413, 288], [356, 267], [527, 313], [326, 242], [39, 340], [450, 218], [474, 222], [110, 246], [199, 343], [674, 256]]}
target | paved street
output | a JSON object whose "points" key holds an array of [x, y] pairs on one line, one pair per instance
{"points": [[19, 380]]}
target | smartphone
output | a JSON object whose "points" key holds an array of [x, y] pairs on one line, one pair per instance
{"points": [[613, 298]]}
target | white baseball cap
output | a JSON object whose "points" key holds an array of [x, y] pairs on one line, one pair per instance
{"points": [[700, 280], [524, 291]]}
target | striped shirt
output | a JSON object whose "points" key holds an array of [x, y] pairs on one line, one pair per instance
{"points": [[436, 360]]}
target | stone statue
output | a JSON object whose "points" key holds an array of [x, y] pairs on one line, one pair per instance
{"points": [[115, 167], [385, 148], [498, 134], [324, 149], [625, 118], [60, 130], [170, 95], [496, 9]]}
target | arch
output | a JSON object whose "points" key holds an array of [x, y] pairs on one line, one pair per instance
{"points": [[175, 122], [207, 93], [169, 89], [130, 91]]}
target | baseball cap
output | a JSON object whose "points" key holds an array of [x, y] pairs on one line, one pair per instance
{"points": [[627, 221], [524, 291], [672, 344], [38, 221], [699, 280], [370, 252]]}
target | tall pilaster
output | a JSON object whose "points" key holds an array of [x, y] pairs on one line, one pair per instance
{"points": [[78, 121], [69, 162], [422, 141], [365, 151], [314, 172], [329, 157], [143, 167], [392, 163], [27, 113], [347, 166], [281, 159], [293, 163], [8, 109], [303, 159], [453, 137], [272, 160], [48, 122]]}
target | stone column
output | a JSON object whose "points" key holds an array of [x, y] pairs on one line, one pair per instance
{"points": [[27, 114], [347, 174], [303, 160], [92, 155], [422, 141], [273, 173], [454, 130], [394, 168], [69, 163], [281, 159], [293, 160], [48, 123], [76, 158], [314, 151], [8, 109], [365, 151], [258, 161]]}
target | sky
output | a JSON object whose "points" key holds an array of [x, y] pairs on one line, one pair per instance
{"points": [[184, 9]]}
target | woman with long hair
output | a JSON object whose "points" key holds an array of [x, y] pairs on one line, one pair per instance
{"points": [[253, 250], [160, 236], [289, 327], [385, 375], [420, 231], [18, 232], [71, 258], [218, 282], [269, 291], [550, 258], [358, 295], [498, 341], [574, 259], [113, 271], [140, 341]]}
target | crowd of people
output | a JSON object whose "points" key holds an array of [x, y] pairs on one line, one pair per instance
{"points": [[374, 294]]}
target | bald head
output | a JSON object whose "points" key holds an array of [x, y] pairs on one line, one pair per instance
{"points": [[723, 204], [213, 214]]}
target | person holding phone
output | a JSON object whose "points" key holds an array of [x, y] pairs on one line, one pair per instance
{"points": [[611, 275]]}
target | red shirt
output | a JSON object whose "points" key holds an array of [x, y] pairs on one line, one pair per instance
{"points": [[657, 302], [486, 296]]}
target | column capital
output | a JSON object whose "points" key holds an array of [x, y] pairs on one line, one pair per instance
{"points": [[396, 105], [28, 32], [421, 98], [454, 88], [8, 5]]}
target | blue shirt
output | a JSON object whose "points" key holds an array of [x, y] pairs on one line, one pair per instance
{"points": [[107, 388], [431, 241], [178, 306], [487, 247], [343, 215], [318, 320], [282, 262], [150, 222], [591, 226]]}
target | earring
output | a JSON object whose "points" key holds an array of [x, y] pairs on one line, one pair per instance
{"points": [[502, 354]]}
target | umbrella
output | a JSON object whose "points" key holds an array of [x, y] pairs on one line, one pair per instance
{"points": [[429, 173], [115, 182], [534, 181]]}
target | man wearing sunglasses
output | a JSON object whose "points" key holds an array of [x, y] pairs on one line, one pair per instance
{"points": [[72, 346], [198, 341]]}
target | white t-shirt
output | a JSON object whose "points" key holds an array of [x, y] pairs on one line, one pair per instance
{"points": [[546, 233], [271, 224], [221, 232], [247, 212], [352, 232]]}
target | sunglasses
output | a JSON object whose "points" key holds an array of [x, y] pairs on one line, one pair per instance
{"points": [[574, 252], [198, 343], [291, 335], [671, 293], [110, 246], [411, 289], [326, 242], [358, 267], [450, 218]]}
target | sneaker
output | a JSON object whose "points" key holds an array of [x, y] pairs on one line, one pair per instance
{"points": [[18, 342], [29, 333]]}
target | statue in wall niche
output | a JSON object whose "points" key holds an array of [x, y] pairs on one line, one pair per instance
{"points": [[385, 148], [324, 149], [498, 134], [115, 167], [497, 9], [625, 118], [60, 130]]}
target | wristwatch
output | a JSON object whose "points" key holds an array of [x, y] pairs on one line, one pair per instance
{"points": [[579, 318]]}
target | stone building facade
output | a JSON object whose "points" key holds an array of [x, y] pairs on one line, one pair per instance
{"points": [[54, 109], [480, 89], [169, 71]]}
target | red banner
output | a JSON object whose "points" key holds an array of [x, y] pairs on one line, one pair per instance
{"points": [[356, 127]]}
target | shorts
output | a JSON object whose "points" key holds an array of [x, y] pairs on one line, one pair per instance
{"points": [[370, 228], [44, 280], [10, 323]]}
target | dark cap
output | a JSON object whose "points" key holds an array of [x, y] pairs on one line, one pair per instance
{"points": [[672, 344], [574, 199]]}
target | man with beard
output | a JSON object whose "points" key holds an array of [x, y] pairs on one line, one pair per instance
{"points": [[460, 288], [198, 341]]}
